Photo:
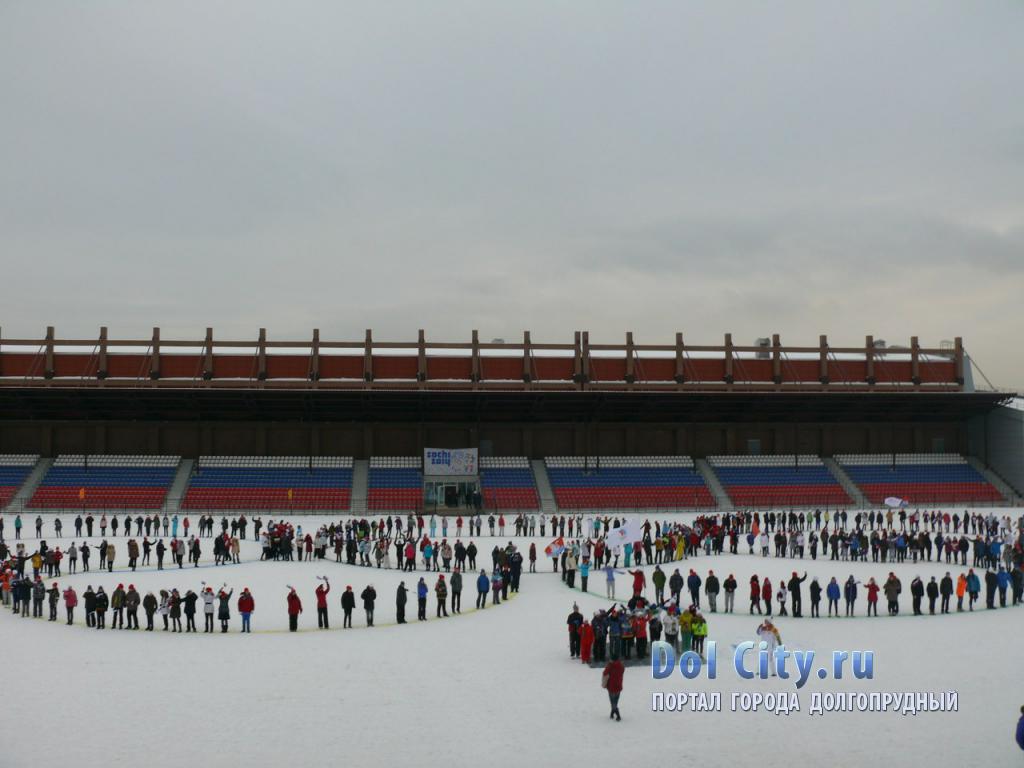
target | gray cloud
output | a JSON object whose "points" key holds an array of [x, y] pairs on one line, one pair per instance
{"points": [[709, 167]]}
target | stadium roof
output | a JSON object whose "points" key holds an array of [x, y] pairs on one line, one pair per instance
{"points": [[224, 404]]}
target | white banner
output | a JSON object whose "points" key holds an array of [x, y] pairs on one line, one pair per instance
{"points": [[450, 461], [630, 531]]}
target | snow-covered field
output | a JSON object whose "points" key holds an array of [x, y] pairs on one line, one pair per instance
{"points": [[493, 687]]}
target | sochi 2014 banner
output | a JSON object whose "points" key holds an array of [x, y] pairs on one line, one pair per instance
{"points": [[450, 461]]}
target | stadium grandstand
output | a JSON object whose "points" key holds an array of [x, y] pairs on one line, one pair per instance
{"points": [[347, 426]]}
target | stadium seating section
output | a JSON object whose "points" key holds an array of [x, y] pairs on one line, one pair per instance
{"points": [[395, 484], [13, 471], [627, 482], [778, 481], [506, 482], [919, 478], [271, 482], [105, 482]]}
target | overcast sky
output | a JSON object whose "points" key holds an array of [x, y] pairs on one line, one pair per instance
{"points": [[792, 167]]}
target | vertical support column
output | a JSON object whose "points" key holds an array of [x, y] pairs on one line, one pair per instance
{"points": [[869, 360], [958, 360], [577, 359], [776, 359], [475, 370], [208, 356], [421, 358], [368, 357], [823, 359], [314, 356], [680, 376], [728, 378], [630, 359], [915, 361], [1, 354], [585, 356], [154, 358], [48, 364], [527, 351], [101, 363], [261, 356]]}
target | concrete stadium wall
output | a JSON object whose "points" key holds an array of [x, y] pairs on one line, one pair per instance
{"points": [[998, 440]]}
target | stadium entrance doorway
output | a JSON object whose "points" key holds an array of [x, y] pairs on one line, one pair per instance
{"points": [[451, 493]]}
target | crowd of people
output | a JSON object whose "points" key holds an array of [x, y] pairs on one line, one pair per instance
{"points": [[22, 572]]}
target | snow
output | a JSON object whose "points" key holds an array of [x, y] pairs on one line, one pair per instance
{"points": [[493, 687]]}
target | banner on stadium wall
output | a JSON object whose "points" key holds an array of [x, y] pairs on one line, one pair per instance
{"points": [[450, 461]]}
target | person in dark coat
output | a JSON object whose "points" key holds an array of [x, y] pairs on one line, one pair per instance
{"points": [[102, 603], [794, 593], [574, 623], [815, 590], [916, 593], [369, 595], [149, 605], [946, 590], [932, 591], [190, 601], [400, 600], [348, 603], [224, 608]]}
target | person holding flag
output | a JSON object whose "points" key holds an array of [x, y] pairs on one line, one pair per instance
{"points": [[553, 550]]}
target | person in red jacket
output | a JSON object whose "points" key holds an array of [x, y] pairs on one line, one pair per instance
{"points": [[639, 582], [586, 641], [766, 594], [246, 605], [294, 609], [873, 590], [321, 604], [611, 679], [70, 601], [639, 623]]}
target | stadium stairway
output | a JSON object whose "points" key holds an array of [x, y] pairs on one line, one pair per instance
{"points": [[20, 499], [360, 482], [714, 485], [179, 485], [547, 496], [1009, 493], [860, 501]]}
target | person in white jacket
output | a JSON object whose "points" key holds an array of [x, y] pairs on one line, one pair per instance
{"points": [[670, 624], [208, 598], [763, 541], [769, 634]]}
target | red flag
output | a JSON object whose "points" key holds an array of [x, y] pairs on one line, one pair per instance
{"points": [[555, 548]]}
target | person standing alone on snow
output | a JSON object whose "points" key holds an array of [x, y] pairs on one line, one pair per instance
{"points": [[611, 680]]}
